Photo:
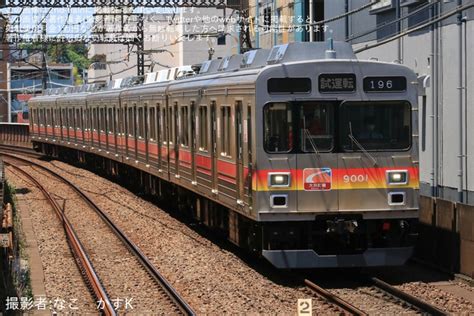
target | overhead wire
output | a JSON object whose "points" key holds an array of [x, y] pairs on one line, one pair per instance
{"points": [[418, 28], [384, 25]]}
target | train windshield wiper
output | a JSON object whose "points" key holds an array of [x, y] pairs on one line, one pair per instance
{"points": [[311, 141], [359, 145]]}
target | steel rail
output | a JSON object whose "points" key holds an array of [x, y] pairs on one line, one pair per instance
{"points": [[334, 299], [183, 306], [20, 150], [408, 298], [75, 245]]}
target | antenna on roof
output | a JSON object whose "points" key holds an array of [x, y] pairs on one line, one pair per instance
{"points": [[330, 52]]}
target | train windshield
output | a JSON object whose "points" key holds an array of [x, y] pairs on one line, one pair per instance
{"points": [[374, 126], [278, 128], [316, 126]]}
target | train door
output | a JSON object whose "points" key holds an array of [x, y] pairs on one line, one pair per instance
{"points": [[316, 160], [120, 131], [141, 141], [214, 156], [134, 139], [171, 140], [165, 138], [129, 137], [72, 124], [146, 131], [192, 140], [153, 135], [175, 148], [247, 169], [79, 125], [109, 127], [239, 151]]}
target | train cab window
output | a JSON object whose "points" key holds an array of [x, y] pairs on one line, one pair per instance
{"points": [[184, 126], [152, 126], [225, 131], [203, 125], [316, 126], [375, 126], [278, 129]]}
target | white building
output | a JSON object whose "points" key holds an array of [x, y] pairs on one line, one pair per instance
{"points": [[184, 37]]}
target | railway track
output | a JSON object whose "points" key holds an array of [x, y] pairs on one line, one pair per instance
{"points": [[336, 303], [93, 277], [30, 152], [405, 299], [351, 301]]}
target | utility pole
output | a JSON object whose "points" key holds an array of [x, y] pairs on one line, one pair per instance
{"points": [[245, 43], [140, 46], [138, 34], [44, 66]]}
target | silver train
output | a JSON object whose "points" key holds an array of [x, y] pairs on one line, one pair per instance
{"points": [[301, 153]]}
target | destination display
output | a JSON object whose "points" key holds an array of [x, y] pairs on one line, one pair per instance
{"points": [[385, 84], [337, 83]]}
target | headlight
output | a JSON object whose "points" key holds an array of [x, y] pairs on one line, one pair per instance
{"points": [[397, 177], [278, 179]]}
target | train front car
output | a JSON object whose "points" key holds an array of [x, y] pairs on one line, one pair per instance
{"points": [[337, 159]]}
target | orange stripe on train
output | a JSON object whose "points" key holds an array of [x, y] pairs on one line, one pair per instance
{"points": [[340, 179]]}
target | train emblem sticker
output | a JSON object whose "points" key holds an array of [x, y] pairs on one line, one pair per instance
{"points": [[317, 179]]}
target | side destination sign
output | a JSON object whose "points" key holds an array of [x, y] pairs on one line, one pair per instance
{"points": [[328, 83]]}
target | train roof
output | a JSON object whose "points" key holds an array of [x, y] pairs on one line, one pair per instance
{"points": [[219, 72]]}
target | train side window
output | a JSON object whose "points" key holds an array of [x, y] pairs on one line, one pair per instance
{"points": [[164, 124], [93, 119], [117, 121], [152, 125], [110, 122], [141, 123], [103, 126], [72, 122], [87, 118], [278, 130], [97, 119], [171, 125], [203, 126], [184, 126], [125, 121], [130, 120], [225, 130], [78, 118], [157, 119], [114, 120]]}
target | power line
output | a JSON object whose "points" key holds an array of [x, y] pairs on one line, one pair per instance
{"points": [[415, 29], [384, 25]]}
